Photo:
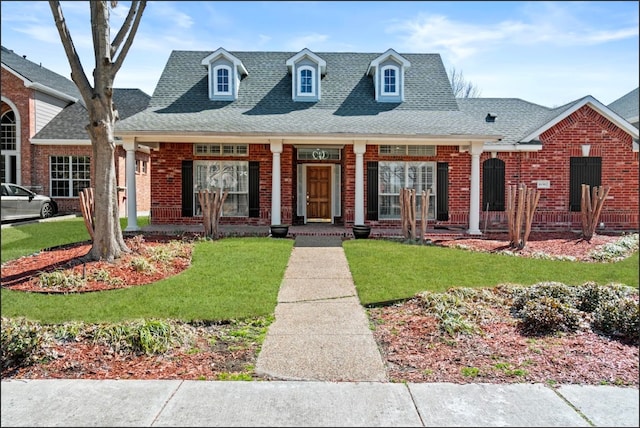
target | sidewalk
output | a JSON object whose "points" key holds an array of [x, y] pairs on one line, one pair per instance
{"points": [[327, 371]]}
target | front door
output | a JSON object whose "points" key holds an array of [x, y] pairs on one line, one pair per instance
{"points": [[318, 193]]}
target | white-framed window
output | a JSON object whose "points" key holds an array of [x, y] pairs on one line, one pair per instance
{"points": [[69, 175], [215, 149], [232, 176], [222, 80], [394, 176], [390, 80], [406, 150], [306, 81], [9, 146]]}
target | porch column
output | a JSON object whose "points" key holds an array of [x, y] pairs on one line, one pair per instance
{"points": [[359, 148], [276, 149], [474, 187], [130, 182]]}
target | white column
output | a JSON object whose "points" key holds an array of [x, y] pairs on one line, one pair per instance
{"points": [[359, 148], [276, 149], [474, 200], [130, 169]]}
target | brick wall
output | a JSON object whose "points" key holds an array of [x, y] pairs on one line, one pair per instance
{"points": [[619, 170]]}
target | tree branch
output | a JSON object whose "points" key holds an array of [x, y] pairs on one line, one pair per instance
{"points": [[137, 8], [77, 72], [125, 27]]}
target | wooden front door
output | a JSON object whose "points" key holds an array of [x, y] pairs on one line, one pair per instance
{"points": [[319, 193]]}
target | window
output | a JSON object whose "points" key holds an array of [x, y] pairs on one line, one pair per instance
{"points": [[583, 170], [232, 176], [220, 149], [394, 176], [390, 80], [405, 150], [222, 79], [9, 146], [69, 175], [306, 84], [8, 131]]}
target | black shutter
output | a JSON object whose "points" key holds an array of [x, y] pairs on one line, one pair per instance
{"points": [[585, 170], [442, 191], [187, 188], [493, 184], [372, 190], [254, 189]]}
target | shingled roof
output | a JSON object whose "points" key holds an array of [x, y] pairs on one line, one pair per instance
{"points": [[38, 74], [627, 106], [71, 121], [347, 107]]}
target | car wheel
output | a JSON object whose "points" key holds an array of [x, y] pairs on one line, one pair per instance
{"points": [[47, 210]]}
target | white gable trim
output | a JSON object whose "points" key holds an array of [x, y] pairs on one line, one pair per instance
{"points": [[223, 53], [373, 66], [322, 64], [593, 103]]}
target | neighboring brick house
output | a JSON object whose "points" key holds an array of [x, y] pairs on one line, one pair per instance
{"points": [[45, 146], [307, 137]]}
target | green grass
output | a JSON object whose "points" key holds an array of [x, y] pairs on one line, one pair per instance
{"points": [[384, 271], [26, 239], [231, 278], [239, 278]]}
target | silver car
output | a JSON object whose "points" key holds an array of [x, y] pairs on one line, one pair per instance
{"points": [[21, 203]]}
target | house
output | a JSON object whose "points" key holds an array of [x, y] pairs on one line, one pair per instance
{"points": [[304, 137], [44, 142]]}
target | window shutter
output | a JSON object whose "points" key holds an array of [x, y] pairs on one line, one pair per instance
{"points": [[254, 189], [493, 184], [585, 170], [187, 188], [442, 194], [372, 190]]}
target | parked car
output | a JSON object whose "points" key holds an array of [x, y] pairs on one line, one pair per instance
{"points": [[19, 202]]}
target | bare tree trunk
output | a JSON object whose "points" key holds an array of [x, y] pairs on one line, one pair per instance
{"points": [[591, 207], [108, 242], [88, 209], [211, 204], [521, 202], [424, 212]]}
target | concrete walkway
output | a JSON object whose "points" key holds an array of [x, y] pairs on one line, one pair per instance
{"points": [[321, 331]]}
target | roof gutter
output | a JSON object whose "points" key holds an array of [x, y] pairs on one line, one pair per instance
{"points": [[47, 90]]}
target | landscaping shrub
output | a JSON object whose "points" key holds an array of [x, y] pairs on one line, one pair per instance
{"points": [[546, 315], [21, 342], [618, 318]]}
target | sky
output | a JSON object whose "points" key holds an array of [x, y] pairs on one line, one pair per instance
{"points": [[548, 53]]}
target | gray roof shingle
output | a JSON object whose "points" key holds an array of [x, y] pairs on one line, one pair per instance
{"points": [[627, 106]]}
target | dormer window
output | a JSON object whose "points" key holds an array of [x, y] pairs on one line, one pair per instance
{"points": [[390, 76], [306, 70], [306, 82], [388, 72], [222, 75], [225, 72]]}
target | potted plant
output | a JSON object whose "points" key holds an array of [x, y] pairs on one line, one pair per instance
{"points": [[361, 231], [279, 230]]}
